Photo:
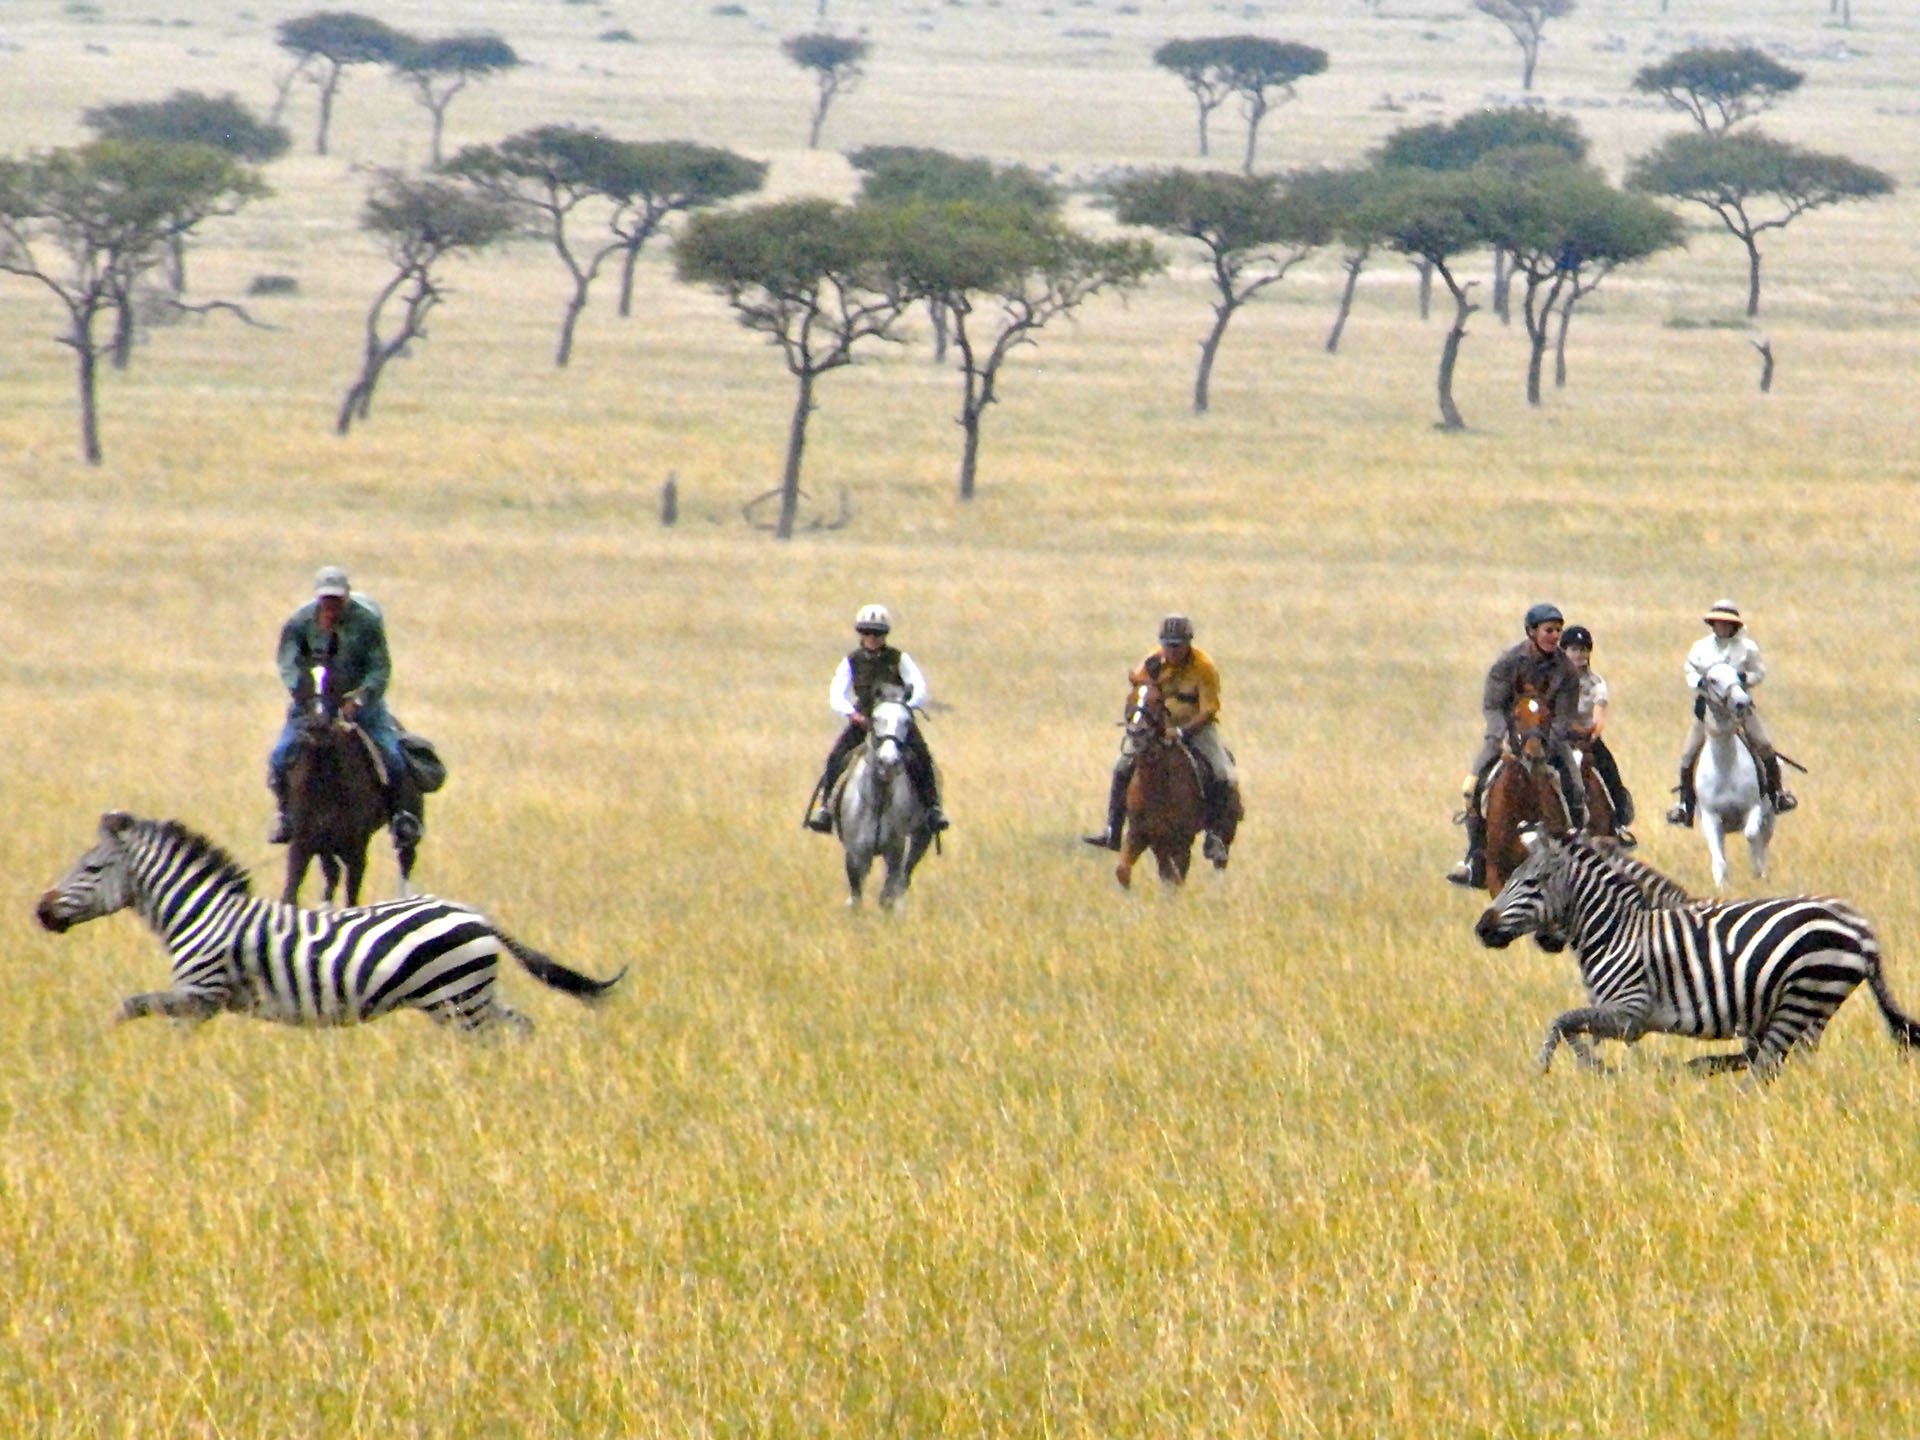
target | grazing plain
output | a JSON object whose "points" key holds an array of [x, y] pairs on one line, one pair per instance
{"points": [[1264, 1158]]}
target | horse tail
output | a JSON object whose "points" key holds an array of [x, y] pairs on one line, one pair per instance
{"points": [[549, 971]]}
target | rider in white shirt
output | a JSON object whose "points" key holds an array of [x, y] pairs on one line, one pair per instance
{"points": [[857, 686], [1729, 644]]}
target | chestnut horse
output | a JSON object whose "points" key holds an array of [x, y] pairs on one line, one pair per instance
{"points": [[1523, 789], [1165, 808]]}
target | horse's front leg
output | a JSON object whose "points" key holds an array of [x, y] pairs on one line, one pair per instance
{"points": [[1759, 830], [1131, 849], [356, 863], [895, 886], [857, 866], [1716, 839], [298, 858]]}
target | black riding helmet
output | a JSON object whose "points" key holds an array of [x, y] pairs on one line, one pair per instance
{"points": [[1576, 637]]}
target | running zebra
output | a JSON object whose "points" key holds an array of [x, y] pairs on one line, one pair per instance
{"points": [[235, 951], [1769, 973]]}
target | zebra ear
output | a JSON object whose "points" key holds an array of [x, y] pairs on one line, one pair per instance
{"points": [[115, 823]]}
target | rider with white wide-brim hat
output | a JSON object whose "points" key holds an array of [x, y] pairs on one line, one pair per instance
{"points": [[1729, 644]]}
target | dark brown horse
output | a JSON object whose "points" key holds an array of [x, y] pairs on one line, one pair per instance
{"points": [[336, 797], [1523, 789], [1165, 810]]}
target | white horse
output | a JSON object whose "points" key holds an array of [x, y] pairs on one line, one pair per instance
{"points": [[878, 813], [1728, 796]]}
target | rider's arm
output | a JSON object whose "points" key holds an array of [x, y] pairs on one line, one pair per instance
{"points": [[378, 670], [916, 683], [291, 652], [1751, 667], [1498, 694], [1699, 660], [1206, 682], [840, 692]]}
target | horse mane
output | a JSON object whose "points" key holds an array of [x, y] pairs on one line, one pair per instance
{"points": [[200, 850]]}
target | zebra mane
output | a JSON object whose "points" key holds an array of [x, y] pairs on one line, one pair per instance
{"points": [[1656, 889], [198, 848]]}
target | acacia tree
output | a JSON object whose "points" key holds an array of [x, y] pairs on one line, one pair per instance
{"points": [[1195, 62], [816, 278], [1328, 203], [1251, 235], [1560, 221], [1471, 140], [439, 69], [898, 174], [1525, 20], [1001, 273], [87, 222], [186, 117], [1262, 73], [648, 181], [546, 174], [836, 62], [1718, 88], [328, 43], [421, 224], [1753, 183], [1437, 217]]}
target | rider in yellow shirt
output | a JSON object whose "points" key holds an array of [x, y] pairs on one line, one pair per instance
{"points": [[1190, 683]]}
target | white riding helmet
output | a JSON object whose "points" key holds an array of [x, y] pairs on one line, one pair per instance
{"points": [[873, 620]]}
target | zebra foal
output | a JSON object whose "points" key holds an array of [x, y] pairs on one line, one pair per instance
{"points": [[1769, 973], [233, 950]]}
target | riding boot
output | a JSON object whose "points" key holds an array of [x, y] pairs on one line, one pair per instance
{"points": [[1574, 798], [930, 797], [406, 811], [1109, 838], [1472, 869], [1682, 814], [279, 833], [821, 818], [1783, 798]]}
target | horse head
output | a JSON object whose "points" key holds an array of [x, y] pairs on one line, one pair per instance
{"points": [[1527, 725], [1146, 719], [887, 731], [1728, 702]]}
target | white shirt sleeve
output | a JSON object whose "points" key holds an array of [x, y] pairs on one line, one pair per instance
{"points": [[916, 683], [1700, 660], [840, 693], [1750, 664]]}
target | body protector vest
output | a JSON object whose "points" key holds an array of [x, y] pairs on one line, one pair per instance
{"points": [[871, 670]]}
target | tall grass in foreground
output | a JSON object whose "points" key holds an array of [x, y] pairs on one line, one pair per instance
{"points": [[1265, 1158]]}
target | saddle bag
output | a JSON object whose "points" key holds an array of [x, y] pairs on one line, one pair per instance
{"points": [[424, 764]]}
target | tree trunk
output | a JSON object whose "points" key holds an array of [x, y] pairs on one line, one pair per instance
{"points": [[121, 350], [1425, 267], [1753, 276], [567, 323], [1450, 418], [970, 444], [1255, 112], [1502, 286], [819, 114], [88, 377], [1560, 342], [796, 447], [1531, 57], [327, 89], [937, 314], [1208, 349], [628, 265], [439, 132], [1354, 262], [1203, 131]]}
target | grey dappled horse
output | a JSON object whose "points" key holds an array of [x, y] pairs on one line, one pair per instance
{"points": [[1728, 795], [877, 813]]}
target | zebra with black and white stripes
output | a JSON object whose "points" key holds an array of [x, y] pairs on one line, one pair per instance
{"points": [[1769, 973], [233, 950]]}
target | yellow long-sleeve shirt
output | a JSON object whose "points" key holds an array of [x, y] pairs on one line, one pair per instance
{"points": [[1191, 688]]}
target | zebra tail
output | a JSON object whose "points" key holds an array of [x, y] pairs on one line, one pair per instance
{"points": [[1906, 1030], [549, 971]]}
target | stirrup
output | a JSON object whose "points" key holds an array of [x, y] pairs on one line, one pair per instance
{"points": [[1784, 801], [1680, 815], [277, 833], [821, 821]]}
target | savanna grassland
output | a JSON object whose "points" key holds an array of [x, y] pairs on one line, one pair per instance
{"points": [[1266, 1158]]}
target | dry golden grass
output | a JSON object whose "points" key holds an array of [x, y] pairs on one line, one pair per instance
{"points": [[1266, 1158]]}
